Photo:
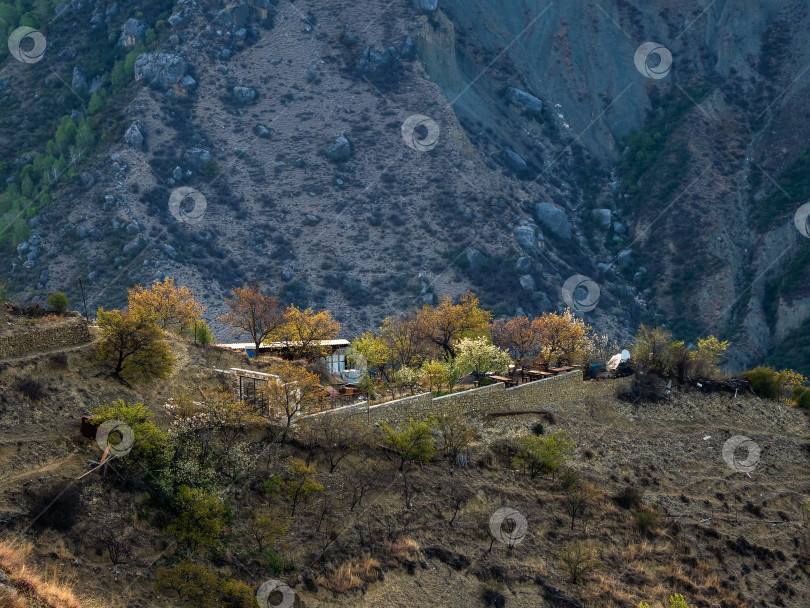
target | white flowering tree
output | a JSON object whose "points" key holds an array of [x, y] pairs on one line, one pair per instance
{"points": [[479, 355]]}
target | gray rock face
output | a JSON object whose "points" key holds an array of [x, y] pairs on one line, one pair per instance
{"points": [[602, 217], [262, 131], [243, 94], [79, 81], [525, 100], [515, 161], [523, 264], [160, 70], [135, 243], [526, 237], [136, 134], [619, 228], [197, 158], [527, 282], [339, 150], [375, 61], [426, 5], [188, 83], [554, 219], [132, 32], [475, 258]]}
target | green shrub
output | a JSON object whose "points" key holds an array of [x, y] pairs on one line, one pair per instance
{"points": [[764, 382], [276, 564], [629, 497], [646, 519], [58, 301], [543, 454], [537, 429], [801, 395], [201, 333]]}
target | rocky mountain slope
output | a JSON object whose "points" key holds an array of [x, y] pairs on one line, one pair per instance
{"points": [[538, 151]]}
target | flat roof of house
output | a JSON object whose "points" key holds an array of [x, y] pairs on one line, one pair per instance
{"points": [[281, 345]]}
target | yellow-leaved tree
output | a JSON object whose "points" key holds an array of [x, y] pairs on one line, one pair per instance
{"points": [[172, 307], [303, 330], [135, 343], [444, 325]]}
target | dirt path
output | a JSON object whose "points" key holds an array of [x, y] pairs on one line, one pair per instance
{"points": [[47, 466]]}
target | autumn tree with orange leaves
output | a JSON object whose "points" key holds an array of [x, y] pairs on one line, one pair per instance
{"points": [[564, 337], [449, 322], [255, 312], [172, 307], [519, 336], [302, 330]]}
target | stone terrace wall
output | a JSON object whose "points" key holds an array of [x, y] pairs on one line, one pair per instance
{"points": [[493, 398], [67, 332]]}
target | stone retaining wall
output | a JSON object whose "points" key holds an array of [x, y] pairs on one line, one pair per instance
{"points": [[486, 399], [67, 332]]}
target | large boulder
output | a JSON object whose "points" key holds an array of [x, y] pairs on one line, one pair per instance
{"points": [[375, 61], [197, 158], [160, 70], [475, 258], [515, 161], [243, 95], [524, 100], [526, 236], [339, 150], [554, 219], [527, 282], [136, 134], [132, 32], [523, 264]]}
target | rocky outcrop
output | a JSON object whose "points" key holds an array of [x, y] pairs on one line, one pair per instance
{"points": [[198, 158], [524, 100], [243, 95], [373, 61], [135, 135], [339, 150], [160, 70], [554, 219], [79, 81], [132, 32], [515, 161]]}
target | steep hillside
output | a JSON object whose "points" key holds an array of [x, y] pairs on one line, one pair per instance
{"points": [[721, 537], [542, 152]]}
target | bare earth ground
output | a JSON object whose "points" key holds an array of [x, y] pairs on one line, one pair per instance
{"points": [[724, 539]]}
